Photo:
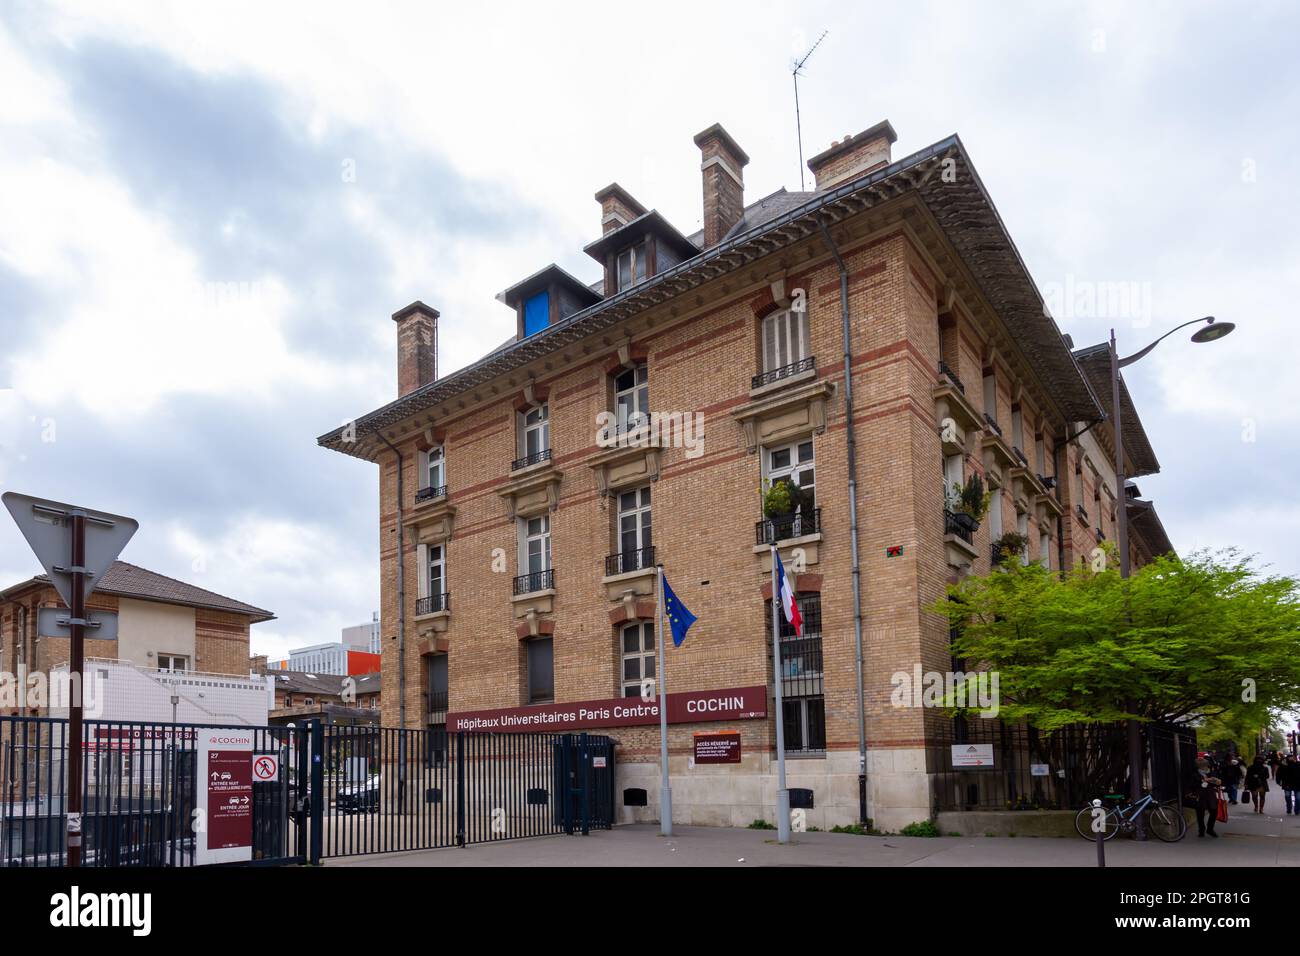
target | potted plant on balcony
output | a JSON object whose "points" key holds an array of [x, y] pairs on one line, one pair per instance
{"points": [[777, 499], [970, 503], [1010, 544], [788, 509]]}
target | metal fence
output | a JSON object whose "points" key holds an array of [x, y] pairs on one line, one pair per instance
{"points": [[342, 790], [138, 793], [1058, 770]]}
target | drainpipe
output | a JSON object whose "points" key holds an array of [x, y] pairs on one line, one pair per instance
{"points": [[401, 592], [855, 564]]}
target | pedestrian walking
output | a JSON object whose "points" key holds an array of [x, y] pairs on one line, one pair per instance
{"points": [[1205, 798], [1231, 775], [1257, 782], [1288, 778]]}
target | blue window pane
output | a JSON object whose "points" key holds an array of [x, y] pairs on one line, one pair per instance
{"points": [[537, 313]]}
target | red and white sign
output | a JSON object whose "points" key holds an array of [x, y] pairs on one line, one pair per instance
{"points": [[690, 707], [266, 768], [224, 823]]}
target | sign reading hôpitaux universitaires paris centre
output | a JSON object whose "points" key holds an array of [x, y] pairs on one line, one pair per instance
{"points": [[686, 707]]}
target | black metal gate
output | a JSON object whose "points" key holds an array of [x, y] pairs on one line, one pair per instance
{"points": [[386, 790], [342, 790]]}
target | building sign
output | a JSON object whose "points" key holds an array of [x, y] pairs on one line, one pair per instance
{"points": [[1039, 770], [691, 707], [224, 825], [972, 755], [721, 746]]}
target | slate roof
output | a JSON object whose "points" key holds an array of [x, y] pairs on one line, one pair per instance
{"points": [[1095, 363], [131, 581], [941, 176]]}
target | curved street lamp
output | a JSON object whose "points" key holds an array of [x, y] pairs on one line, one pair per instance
{"points": [[1209, 332]]}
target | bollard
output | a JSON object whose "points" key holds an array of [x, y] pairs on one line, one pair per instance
{"points": [[1101, 833]]}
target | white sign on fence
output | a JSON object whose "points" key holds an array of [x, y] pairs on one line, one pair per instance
{"points": [[972, 755]]}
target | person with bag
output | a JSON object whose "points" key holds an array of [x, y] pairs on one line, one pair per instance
{"points": [[1205, 798], [1257, 782], [1288, 778]]}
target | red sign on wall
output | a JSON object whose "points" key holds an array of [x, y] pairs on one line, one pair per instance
{"points": [[230, 799], [690, 707], [722, 746]]}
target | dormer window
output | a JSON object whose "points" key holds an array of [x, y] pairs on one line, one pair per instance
{"points": [[785, 339], [632, 266]]}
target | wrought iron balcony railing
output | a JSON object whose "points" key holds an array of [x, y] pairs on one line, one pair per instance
{"points": [[530, 459], [992, 423], [535, 581], [1020, 455], [785, 371], [945, 370], [433, 603], [952, 525], [637, 559], [430, 492], [437, 702], [781, 527]]}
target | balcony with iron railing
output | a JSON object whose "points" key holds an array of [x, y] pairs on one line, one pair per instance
{"points": [[783, 527], [535, 581], [433, 603], [991, 424], [946, 370], [784, 372], [437, 705], [625, 562], [533, 459], [954, 525], [430, 492]]}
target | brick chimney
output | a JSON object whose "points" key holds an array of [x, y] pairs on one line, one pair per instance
{"points": [[852, 156], [417, 346], [722, 164], [617, 207]]}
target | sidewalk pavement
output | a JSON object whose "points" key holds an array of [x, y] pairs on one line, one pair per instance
{"points": [[1247, 839]]}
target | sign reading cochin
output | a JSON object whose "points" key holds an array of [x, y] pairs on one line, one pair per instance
{"points": [[691, 707]]}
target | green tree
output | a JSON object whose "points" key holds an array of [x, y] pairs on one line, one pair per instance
{"points": [[1180, 640]]}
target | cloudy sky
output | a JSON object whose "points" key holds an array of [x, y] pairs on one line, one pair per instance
{"points": [[208, 213]]}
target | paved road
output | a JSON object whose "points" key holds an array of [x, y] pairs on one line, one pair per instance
{"points": [[1247, 839]]}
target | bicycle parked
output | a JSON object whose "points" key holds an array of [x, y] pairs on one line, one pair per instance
{"points": [[1164, 820]]}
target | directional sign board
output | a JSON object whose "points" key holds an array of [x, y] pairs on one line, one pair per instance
{"points": [[972, 755], [47, 526]]}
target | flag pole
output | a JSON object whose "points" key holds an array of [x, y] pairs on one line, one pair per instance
{"points": [[665, 788], [782, 794]]}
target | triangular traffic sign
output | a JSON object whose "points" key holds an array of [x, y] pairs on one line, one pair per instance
{"points": [[47, 526]]}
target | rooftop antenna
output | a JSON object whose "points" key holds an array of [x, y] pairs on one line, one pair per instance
{"points": [[796, 67]]}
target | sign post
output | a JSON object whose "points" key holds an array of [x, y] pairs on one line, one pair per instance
{"points": [[74, 561]]}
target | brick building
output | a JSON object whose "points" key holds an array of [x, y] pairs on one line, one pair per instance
{"points": [[519, 532], [172, 637]]}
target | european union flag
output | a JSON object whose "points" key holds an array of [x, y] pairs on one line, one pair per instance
{"points": [[679, 619]]}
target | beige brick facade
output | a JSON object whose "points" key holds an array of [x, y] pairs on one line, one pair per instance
{"points": [[907, 315]]}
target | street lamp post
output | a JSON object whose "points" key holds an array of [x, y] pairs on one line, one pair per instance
{"points": [[1210, 332]]}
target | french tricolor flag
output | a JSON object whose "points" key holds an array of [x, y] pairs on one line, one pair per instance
{"points": [[788, 603]]}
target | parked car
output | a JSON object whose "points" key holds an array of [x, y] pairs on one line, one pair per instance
{"points": [[358, 797]]}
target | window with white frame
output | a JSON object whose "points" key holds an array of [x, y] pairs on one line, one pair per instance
{"points": [[1022, 528], [632, 398], [435, 472], [785, 339], [173, 663], [535, 431], [638, 656], [535, 544], [953, 475], [435, 571], [995, 514], [632, 266], [990, 395], [793, 463], [1044, 548], [634, 528]]}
